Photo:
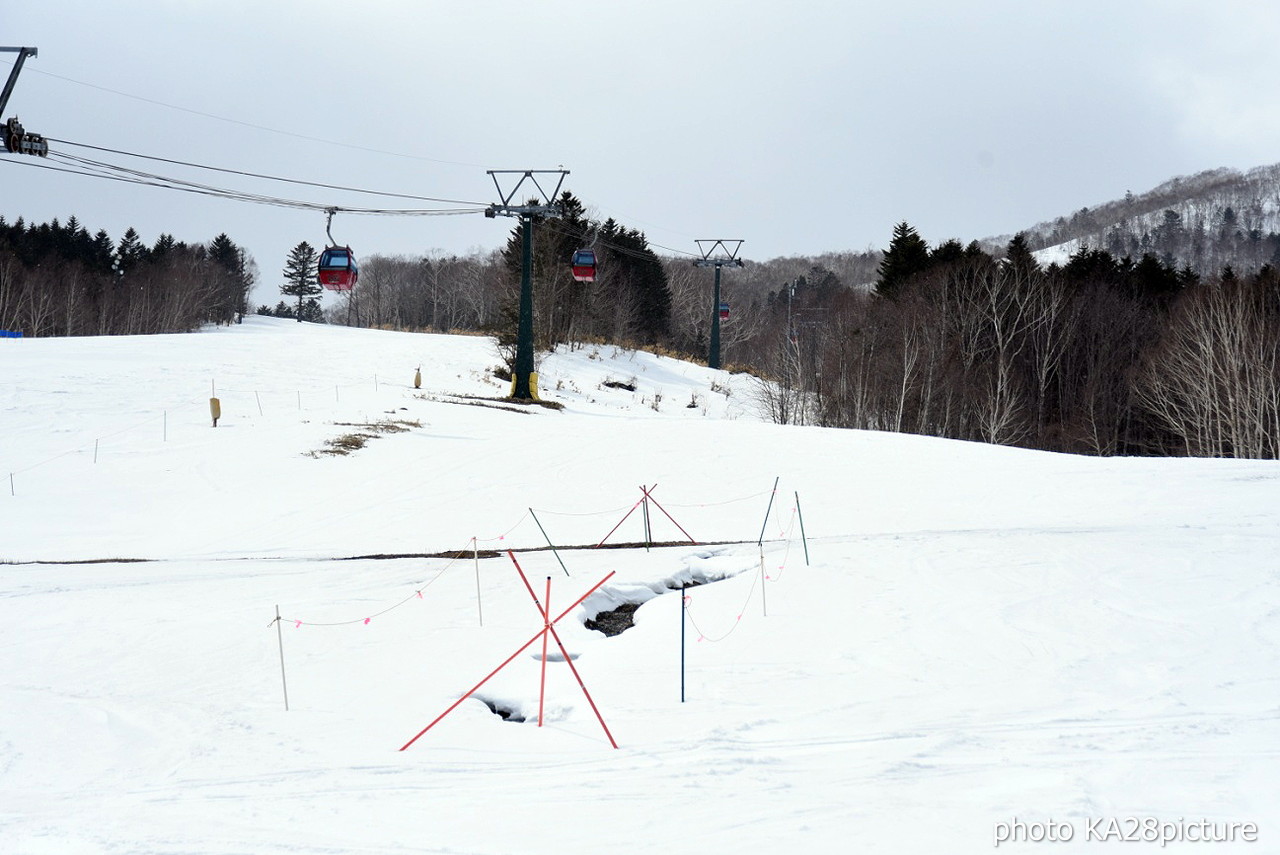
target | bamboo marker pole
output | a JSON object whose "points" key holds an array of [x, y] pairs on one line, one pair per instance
{"points": [[280, 637], [546, 617], [475, 546], [764, 600], [647, 528]]}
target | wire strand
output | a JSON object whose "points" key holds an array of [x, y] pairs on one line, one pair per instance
{"points": [[74, 166], [267, 177]]}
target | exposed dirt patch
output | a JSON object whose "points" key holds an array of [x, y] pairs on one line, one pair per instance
{"points": [[615, 621]]}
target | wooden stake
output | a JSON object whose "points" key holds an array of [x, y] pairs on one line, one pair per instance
{"points": [[764, 600], [546, 619]]}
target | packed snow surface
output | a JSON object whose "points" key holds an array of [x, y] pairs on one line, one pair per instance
{"points": [[909, 646]]}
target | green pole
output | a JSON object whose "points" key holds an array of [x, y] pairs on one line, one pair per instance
{"points": [[803, 539], [768, 510], [548, 540], [713, 358], [524, 386]]}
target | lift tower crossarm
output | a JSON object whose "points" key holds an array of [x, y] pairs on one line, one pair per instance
{"points": [[23, 53], [546, 204]]}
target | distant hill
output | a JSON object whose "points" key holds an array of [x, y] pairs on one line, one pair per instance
{"points": [[1205, 221]]}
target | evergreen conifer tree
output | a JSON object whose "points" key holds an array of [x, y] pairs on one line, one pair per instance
{"points": [[130, 251], [907, 255], [301, 280], [1018, 256]]}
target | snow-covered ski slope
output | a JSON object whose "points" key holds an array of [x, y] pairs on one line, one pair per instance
{"points": [[979, 635]]}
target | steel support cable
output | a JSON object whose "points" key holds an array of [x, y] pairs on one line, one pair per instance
{"points": [[123, 175], [552, 225], [264, 176], [296, 136], [102, 167]]}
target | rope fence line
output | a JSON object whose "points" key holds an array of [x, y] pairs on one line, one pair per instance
{"points": [[610, 511], [752, 497], [758, 580], [503, 536], [416, 595], [622, 508], [182, 407], [473, 545], [737, 621], [786, 537]]}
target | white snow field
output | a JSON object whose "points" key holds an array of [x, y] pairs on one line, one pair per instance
{"points": [[988, 649]]}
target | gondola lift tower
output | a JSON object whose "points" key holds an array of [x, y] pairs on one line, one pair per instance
{"points": [[717, 253], [524, 380]]}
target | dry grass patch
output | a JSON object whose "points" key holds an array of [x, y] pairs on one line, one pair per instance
{"points": [[364, 432]]}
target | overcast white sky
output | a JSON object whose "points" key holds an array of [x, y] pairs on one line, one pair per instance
{"points": [[799, 127]]}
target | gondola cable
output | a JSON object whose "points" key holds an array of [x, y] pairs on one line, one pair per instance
{"points": [[267, 177]]}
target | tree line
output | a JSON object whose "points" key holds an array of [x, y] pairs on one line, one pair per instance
{"points": [[56, 279], [1100, 355], [1103, 354]]}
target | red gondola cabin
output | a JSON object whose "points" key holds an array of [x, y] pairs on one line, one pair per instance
{"points": [[584, 265], [338, 268]]}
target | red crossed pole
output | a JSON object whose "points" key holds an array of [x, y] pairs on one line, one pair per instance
{"points": [[648, 496], [548, 627]]}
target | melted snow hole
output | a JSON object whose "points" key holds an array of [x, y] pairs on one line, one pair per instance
{"points": [[612, 609]]}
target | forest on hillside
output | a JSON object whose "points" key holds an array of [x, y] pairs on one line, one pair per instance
{"points": [[56, 279], [1204, 222], [1101, 355], [1111, 352]]}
